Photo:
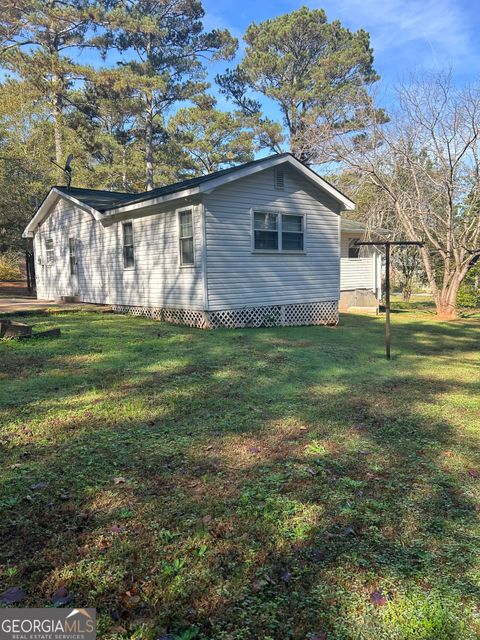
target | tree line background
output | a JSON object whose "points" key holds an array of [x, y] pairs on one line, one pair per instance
{"points": [[146, 114]]}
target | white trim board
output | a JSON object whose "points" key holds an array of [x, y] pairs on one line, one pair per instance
{"points": [[48, 204]]}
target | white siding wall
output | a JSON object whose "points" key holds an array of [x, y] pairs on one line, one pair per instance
{"points": [[156, 280], [237, 277], [356, 273]]}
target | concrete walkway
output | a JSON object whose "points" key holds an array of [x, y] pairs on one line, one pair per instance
{"points": [[20, 305]]}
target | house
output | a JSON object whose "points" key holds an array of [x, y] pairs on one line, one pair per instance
{"points": [[256, 244]]}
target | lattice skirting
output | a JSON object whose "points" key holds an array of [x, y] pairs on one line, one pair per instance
{"points": [[272, 316]]}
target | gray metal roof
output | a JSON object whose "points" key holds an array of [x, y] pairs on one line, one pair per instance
{"points": [[354, 226], [105, 200], [99, 200]]}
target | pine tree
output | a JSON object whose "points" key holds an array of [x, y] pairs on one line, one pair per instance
{"points": [[167, 39], [35, 46], [317, 72]]}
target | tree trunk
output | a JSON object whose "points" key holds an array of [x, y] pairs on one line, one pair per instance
{"points": [[149, 142], [446, 300], [57, 113], [124, 169]]}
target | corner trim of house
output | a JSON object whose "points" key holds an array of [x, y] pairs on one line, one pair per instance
{"points": [[204, 254]]}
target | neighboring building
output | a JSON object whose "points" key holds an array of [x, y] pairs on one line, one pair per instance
{"points": [[360, 269], [257, 244]]}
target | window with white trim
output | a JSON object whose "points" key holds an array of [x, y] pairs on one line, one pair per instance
{"points": [[72, 246], [185, 222], [353, 248], [128, 246], [49, 251], [282, 232]]}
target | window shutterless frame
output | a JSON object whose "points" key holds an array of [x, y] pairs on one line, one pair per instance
{"points": [[285, 225], [72, 248], [186, 237], [49, 251], [128, 245]]}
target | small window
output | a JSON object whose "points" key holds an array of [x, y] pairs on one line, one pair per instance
{"points": [[353, 248], [72, 245], [279, 179], [265, 228], [292, 233], [49, 250], [186, 237], [128, 248]]}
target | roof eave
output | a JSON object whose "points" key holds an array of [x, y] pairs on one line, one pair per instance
{"points": [[50, 201], [211, 185]]}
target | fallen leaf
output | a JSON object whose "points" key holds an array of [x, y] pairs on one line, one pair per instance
{"points": [[115, 528], [207, 519], [119, 480], [258, 585], [61, 596], [311, 471], [473, 473], [347, 531], [14, 594], [16, 465], [286, 576], [39, 486], [378, 599]]}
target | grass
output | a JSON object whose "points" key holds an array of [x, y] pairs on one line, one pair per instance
{"points": [[252, 484]]}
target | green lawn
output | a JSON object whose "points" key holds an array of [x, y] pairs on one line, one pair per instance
{"points": [[270, 483]]}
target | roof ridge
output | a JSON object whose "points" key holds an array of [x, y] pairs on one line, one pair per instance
{"points": [[147, 195]]}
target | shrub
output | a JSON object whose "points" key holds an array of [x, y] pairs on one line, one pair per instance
{"points": [[469, 292], [10, 267]]}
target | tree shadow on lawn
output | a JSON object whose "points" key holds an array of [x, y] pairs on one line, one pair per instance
{"points": [[274, 479]]}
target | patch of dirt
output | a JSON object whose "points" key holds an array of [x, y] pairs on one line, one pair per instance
{"points": [[12, 289]]}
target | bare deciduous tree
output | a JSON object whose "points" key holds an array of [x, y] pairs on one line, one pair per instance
{"points": [[425, 161]]}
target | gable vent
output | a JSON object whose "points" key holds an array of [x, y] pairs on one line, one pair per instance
{"points": [[279, 179]]}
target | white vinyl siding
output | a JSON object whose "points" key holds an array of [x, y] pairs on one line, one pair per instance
{"points": [[356, 272], [156, 280], [238, 276]]}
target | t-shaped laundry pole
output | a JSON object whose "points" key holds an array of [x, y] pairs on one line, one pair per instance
{"points": [[387, 244]]}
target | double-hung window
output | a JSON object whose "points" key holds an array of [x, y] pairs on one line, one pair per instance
{"points": [[278, 232], [187, 257], [72, 246], [49, 250], [265, 229], [128, 247]]}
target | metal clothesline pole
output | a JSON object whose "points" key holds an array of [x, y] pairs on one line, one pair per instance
{"points": [[387, 244]]}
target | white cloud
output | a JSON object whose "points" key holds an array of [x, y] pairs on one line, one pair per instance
{"points": [[441, 25]]}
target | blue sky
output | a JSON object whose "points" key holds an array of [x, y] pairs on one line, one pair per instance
{"points": [[406, 35]]}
